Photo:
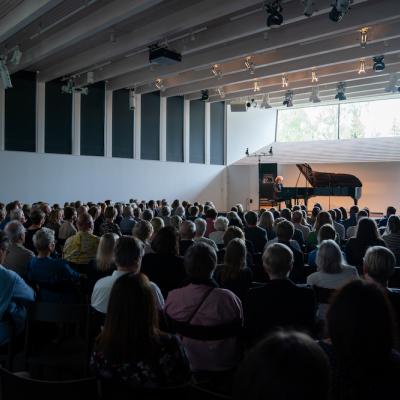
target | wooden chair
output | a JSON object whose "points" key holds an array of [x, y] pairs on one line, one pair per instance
{"points": [[70, 348], [18, 387]]}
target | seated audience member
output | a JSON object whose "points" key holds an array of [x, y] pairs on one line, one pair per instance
{"points": [[367, 236], [352, 230], [267, 222], [297, 218], [293, 243], [9, 208], [17, 215], [119, 208], [361, 346], [193, 213], [81, 248], [278, 303], [164, 267], [379, 264], [54, 221], [256, 235], [339, 228], [331, 273], [180, 212], [220, 226], [313, 217], [176, 222], [187, 232], [166, 215], [15, 294], [234, 274], [211, 215], [17, 256], [326, 232], [143, 230], [322, 218], [389, 212], [67, 228], [37, 218], [128, 222], [344, 215], [137, 354], [54, 277], [234, 219], [128, 255], [195, 305], [352, 220], [392, 236], [109, 226], [282, 367], [147, 215], [100, 219], [233, 232], [201, 226], [298, 234], [157, 223]]}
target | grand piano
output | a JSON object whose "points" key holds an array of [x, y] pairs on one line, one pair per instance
{"points": [[322, 184]]}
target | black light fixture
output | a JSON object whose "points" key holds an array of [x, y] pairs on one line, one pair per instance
{"points": [[288, 100], [204, 95], [341, 91], [274, 9], [379, 65]]}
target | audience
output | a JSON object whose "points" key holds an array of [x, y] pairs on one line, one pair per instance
{"points": [[15, 295], [187, 233], [339, 228], [127, 222], [105, 262], [352, 230], [392, 236], [253, 233], [322, 218], [143, 230], [266, 222], [128, 255], [278, 303], [137, 354], [201, 227], [110, 226], [220, 226], [211, 215], [326, 232], [67, 228], [389, 212], [284, 366], [297, 219], [352, 220], [37, 219]]}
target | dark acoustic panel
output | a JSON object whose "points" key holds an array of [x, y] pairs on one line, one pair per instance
{"points": [[122, 125], [150, 126], [175, 128], [58, 119], [92, 121], [197, 132], [217, 133], [20, 113]]}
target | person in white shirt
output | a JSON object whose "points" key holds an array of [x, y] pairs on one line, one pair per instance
{"points": [[128, 255]]}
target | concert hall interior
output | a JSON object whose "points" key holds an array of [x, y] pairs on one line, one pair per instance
{"points": [[199, 199]]}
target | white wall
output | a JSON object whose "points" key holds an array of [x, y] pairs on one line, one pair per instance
{"points": [[31, 177], [252, 129]]}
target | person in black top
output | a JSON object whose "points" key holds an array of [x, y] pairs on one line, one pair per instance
{"points": [[278, 303], [256, 235]]}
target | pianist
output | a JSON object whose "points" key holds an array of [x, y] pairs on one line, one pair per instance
{"points": [[278, 186]]}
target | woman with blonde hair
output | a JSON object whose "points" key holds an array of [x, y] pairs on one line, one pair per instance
{"points": [[143, 230], [105, 254], [267, 222], [234, 274], [157, 223]]}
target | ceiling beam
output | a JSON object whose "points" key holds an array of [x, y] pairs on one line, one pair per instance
{"points": [[171, 23], [23, 15], [318, 27], [101, 19], [332, 58], [212, 36]]}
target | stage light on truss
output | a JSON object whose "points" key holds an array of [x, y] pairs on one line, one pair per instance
{"points": [[363, 37], [216, 71], [221, 92], [361, 69], [250, 66], [256, 87], [159, 84], [314, 76], [285, 81]]}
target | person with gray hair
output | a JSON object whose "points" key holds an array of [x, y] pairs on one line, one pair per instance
{"points": [[187, 232], [128, 222], [180, 212], [201, 227], [17, 256], [195, 305], [220, 225], [379, 264], [17, 215], [55, 278]]}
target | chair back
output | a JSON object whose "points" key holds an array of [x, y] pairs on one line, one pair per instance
{"points": [[323, 295], [17, 387], [394, 281]]}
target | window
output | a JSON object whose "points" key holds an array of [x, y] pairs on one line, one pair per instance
{"points": [[367, 119]]}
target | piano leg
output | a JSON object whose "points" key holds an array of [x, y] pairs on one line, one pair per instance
{"points": [[355, 201]]}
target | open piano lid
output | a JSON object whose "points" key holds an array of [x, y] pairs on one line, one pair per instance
{"points": [[327, 179]]}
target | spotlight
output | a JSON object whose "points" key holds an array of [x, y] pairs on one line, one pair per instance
{"points": [[204, 95], [285, 81], [392, 86], [339, 9], [271, 153], [379, 65], [314, 98], [221, 93], [274, 9], [309, 7], [363, 37], [265, 102], [70, 88], [4, 74], [256, 87], [341, 91], [215, 69], [288, 101], [159, 84], [251, 103], [250, 66], [361, 70], [314, 77], [132, 99], [16, 55]]}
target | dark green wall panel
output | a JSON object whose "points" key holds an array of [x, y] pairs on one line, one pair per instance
{"points": [[217, 133], [197, 132], [150, 126], [175, 128]]}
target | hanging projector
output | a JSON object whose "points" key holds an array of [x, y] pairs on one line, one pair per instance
{"points": [[163, 56]]}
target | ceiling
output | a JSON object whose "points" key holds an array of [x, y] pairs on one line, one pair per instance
{"points": [[110, 38]]}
